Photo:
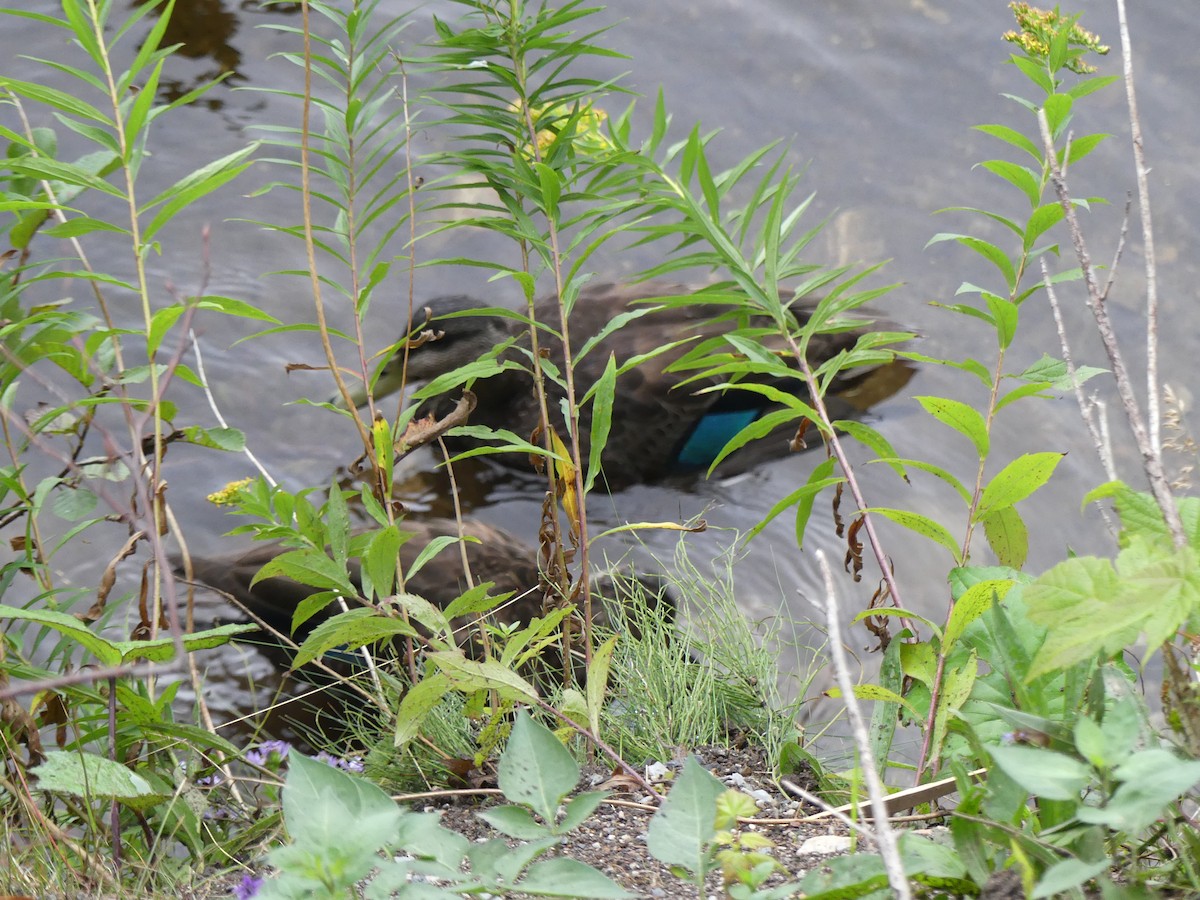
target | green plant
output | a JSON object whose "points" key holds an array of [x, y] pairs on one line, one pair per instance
{"points": [[332, 852]]}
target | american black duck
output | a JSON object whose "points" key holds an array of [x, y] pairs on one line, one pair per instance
{"points": [[498, 557], [660, 426]]}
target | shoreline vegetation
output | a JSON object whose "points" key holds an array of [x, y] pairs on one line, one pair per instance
{"points": [[1045, 766]]}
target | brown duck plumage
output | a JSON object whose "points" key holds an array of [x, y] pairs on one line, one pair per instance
{"points": [[655, 416], [498, 557]]}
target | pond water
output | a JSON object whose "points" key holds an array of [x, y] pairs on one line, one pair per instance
{"points": [[874, 98]]}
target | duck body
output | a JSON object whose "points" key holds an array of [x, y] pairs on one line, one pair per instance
{"points": [[663, 421], [499, 557]]}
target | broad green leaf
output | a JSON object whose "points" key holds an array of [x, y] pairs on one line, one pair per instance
{"points": [[311, 567], [89, 776], [1046, 774], [1043, 219], [324, 806], [1015, 138], [682, 830], [1067, 876], [423, 612], [162, 649], [104, 650], [536, 770], [379, 563], [232, 440], [561, 876], [1019, 176], [1005, 315], [1080, 602]]}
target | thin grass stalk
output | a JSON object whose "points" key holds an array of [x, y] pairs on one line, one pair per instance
{"points": [[885, 837]]}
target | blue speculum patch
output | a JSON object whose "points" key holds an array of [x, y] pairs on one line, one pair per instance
{"points": [[710, 435]]}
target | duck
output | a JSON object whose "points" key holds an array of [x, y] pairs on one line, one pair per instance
{"points": [[498, 556], [663, 422]]}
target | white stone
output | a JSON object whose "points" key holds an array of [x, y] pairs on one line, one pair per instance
{"points": [[826, 844]]}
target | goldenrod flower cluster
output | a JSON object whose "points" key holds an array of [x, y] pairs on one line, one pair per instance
{"points": [[1038, 28]]}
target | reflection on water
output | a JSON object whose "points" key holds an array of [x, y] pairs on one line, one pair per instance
{"points": [[205, 29]]}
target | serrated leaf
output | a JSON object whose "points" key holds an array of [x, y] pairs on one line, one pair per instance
{"points": [[469, 675]]}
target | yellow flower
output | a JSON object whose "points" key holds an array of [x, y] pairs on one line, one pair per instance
{"points": [[228, 494]]}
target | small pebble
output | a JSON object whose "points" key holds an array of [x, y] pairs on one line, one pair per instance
{"points": [[826, 844]]}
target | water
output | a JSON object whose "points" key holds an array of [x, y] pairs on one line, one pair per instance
{"points": [[874, 99]]}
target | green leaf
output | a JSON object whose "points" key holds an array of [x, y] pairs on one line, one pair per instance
{"points": [[564, 877], [104, 650], [162, 649], [1080, 602], [683, 828], [1017, 480], [325, 807], [1151, 780], [922, 525], [1015, 138], [602, 410], [535, 769], [311, 567], [89, 776], [820, 478], [514, 821], [379, 562], [1043, 219], [879, 694], [597, 681], [1046, 774], [1066, 876], [970, 606], [1005, 315], [348, 631], [1018, 176], [192, 187], [469, 675], [418, 702], [964, 419], [1007, 536], [1058, 112]]}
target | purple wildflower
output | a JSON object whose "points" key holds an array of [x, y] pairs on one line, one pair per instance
{"points": [[247, 888], [262, 754], [353, 764]]}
